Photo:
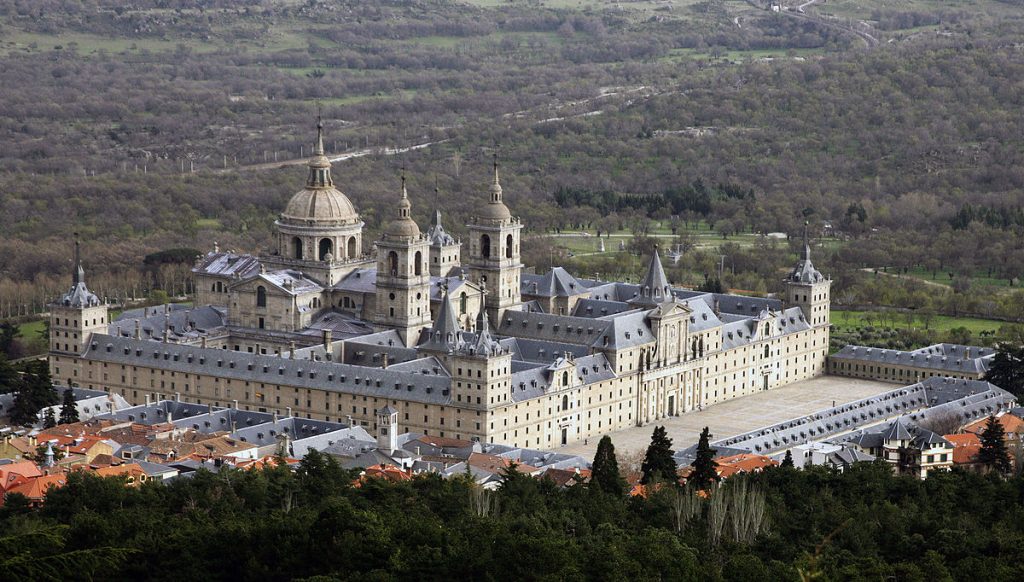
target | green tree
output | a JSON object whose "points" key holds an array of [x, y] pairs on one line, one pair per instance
{"points": [[704, 464], [34, 392], [1007, 369], [993, 453], [787, 461], [49, 420], [68, 410], [658, 461], [9, 334], [605, 475]]}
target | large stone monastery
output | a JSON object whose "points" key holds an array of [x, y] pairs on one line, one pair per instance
{"points": [[457, 340]]}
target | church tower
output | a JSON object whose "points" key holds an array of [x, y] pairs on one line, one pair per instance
{"points": [[403, 275], [807, 289], [494, 252], [73, 319]]}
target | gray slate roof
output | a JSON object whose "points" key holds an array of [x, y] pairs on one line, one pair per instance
{"points": [[944, 357]]}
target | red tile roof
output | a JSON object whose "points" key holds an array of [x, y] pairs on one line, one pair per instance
{"points": [[965, 447]]}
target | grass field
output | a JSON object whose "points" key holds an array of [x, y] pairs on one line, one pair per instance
{"points": [[942, 276], [850, 320]]}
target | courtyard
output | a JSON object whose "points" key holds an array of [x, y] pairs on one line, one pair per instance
{"points": [[743, 414]]}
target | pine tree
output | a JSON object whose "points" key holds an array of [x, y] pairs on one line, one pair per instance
{"points": [[658, 462], [787, 461], [49, 420], [1007, 369], [605, 475], [68, 410], [993, 453], [704, 473]]}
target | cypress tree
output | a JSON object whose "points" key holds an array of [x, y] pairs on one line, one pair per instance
{"points": [[68, 410], [1007, 369], [787, 461], [605, 475], [993, 453], [658, 462], [704, 465]]}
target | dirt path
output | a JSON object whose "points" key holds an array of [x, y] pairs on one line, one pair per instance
{"points": [[925, 281]]}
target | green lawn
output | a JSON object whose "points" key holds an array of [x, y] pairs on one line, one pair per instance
{"points": [[942, 276], [849, 320]]}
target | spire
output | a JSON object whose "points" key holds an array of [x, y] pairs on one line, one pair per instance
{"points": [[319, 165], [404, 206], [654, 287], [79, 274], [485, 344], [403, 226], [445, 333], [496, 186], [807, 245]]}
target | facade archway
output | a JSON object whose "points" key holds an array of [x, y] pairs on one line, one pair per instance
{"points": [[485, 246], [508, 247], [418, 268], [393, 263], [296, 247], [351, 248]]}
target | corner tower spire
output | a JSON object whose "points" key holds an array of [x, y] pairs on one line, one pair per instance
{"points": [[79, 273], [654, 288]]}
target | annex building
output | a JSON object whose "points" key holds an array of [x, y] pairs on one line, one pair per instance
{"points": [[451, 335]]}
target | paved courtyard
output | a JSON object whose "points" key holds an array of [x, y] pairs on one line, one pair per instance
{"points": [[743, 414]]}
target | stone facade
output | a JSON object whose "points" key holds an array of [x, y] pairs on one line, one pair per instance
{"points": [[486, 353]]}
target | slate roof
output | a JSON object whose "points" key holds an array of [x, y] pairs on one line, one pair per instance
{"points": [[181, 321], [555, 283], [438, 236], [330, 376], [943, 357], [228, 264], [654, 287]]}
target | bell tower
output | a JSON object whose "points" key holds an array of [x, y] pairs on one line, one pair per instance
{"points": [[807, 289], [74, 318], [403, 275], [494, 252]]}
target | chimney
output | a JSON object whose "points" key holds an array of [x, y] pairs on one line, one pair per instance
{"points": [[288, 409], [327, 340], [234, 404], [147, 399], [138, 329], [177, 396], [275, 417], [385, 361], [348, 418], [291, 350]]}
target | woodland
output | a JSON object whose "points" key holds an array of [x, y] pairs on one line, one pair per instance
{"points": [[321, 523], [892, 128]]}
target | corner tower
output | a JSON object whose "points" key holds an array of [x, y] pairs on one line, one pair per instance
{"points": [[403, 275], [494, 252], [74, 318], [807, 289]]}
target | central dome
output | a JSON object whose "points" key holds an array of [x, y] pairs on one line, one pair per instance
{"points": [[320, 205]]}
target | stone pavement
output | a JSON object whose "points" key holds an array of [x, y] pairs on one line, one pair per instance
{"points": [[743, 414]]}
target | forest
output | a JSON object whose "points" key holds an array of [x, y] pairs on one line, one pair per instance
{"points": [[894, 130], [319, 523]]}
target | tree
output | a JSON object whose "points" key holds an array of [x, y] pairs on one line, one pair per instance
{"points": [[658, 462], [1007, 369], [34, 392], [9, 334], [68, 410], [605, 475], [704, 473], [49, 421], [787, 461], [993, 453]]}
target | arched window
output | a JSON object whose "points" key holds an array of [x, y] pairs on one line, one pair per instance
{"points": [[296, 247], [565, 379], [462, 303], [485, 246], [351, 247], [326, 248], [565, 403], [213, 288], [767, 351], [419, 263], [393, 263], [261, 296], [508, 247]]}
